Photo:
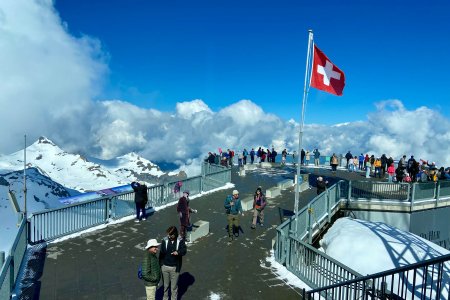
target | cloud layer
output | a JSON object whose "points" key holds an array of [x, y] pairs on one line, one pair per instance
{"points": [[48, 79]]}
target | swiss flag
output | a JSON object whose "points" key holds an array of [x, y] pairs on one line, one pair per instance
{"points": [[325, 75]]}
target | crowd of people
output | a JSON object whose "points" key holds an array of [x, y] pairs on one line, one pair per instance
{"points": [[406, 170], [226, 158]]}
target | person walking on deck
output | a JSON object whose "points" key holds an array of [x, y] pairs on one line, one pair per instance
{"points": [[233, 208], [170, 259], [151, 270], [316, 157], [259, 203]]}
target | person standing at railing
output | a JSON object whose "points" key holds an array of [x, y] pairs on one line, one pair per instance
{"points": [[316, 157], [391, 172], [368, 167], [334, 162], [140, 199], [377, 165], [283, 157], [252, 156], [307, 157], [361, 162], [184, 213]]}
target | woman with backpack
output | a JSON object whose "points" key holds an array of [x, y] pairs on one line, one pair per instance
{"points": [[259, 203]]}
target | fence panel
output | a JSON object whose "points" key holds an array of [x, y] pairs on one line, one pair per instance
{"points": [[444, 189], [379, 190], [12, 263], [54, 223], [425, 191]]}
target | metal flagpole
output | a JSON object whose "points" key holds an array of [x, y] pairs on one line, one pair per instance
{"points": [[25, 178], [300, 135]]}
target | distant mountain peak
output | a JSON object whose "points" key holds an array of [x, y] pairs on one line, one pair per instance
{"points": [[45, 140]]}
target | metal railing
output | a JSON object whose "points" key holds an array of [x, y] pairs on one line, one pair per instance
{"points": [[51, 224], [10, 267], [423, 280], [321, 209]]}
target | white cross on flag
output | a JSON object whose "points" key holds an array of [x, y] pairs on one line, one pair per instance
{"points": [[325, 75]]}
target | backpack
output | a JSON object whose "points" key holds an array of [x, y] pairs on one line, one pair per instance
{"points": [[139, 274], [228, 210]]}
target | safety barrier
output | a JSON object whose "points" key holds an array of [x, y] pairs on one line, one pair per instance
{"points": [[300, 230], [10, 267], [51, 224]]}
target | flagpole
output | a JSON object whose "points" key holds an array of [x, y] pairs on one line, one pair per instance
{"points": [[300, 135]]}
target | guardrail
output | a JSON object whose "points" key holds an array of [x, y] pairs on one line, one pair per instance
{"points": [[423, 280], [320, 210], [51, 224], [10, 267]]}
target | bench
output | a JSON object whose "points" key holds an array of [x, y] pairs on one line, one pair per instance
{"points": [[247, 203], [266, 165], [273, 192], [250, 167], [199, 229]]}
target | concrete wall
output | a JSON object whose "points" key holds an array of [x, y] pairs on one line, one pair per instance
{"points": [[431, 224]]}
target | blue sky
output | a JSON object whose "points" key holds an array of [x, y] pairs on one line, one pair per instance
{"points": [[112, 77], [163, 52]]}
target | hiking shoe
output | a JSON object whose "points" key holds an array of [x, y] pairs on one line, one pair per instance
{"points": [[253, 226], [144, 219], [230, 239], [136, 221], [262, 224]]}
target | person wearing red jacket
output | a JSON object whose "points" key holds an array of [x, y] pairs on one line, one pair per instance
{"points": [[184, 213]]}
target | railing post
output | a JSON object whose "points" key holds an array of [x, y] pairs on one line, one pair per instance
{"points": [[413, 193], [327, 196], [438, 192], [349, 196], [309, 224]]}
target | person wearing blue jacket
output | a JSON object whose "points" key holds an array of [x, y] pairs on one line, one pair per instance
{"points": [[233, 208]]}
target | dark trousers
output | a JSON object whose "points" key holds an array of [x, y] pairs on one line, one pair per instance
{"points": [[140, 207]]}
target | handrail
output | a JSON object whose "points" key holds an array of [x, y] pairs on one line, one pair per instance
{"points": [[321, 208], [379, 287], [12, 263], [54, 223]]}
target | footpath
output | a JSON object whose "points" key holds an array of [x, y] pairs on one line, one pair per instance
{"points": [[103, 264]]}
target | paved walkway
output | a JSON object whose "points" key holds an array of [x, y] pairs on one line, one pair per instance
{"points": [[103, 264]]}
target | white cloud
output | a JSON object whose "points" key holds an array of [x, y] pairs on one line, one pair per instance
{"points": [[49, 78]]}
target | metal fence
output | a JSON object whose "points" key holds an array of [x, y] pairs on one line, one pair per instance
{"points": [[319, 211], [10, 267], [50, 224], [424, 280]]}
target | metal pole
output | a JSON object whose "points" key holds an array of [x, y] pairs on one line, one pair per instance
{"points": [[300, 135], [25, 178]]}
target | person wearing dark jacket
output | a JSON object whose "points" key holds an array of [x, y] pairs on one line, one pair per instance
{"points": [[151, 271], [321, 185], [170, 259], [184, 213], [259, 203], [140, 199]]}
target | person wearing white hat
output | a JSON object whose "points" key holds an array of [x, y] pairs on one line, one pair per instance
{"points": [[233, 208], [151, 271]]}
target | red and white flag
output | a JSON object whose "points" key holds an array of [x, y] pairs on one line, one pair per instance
{"points": [[325, 75]]}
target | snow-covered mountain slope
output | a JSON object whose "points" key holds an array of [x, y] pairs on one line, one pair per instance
{"points": [[42, 193], [76, 172]]}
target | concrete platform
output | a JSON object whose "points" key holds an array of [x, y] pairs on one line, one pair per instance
{"points": [[199, 229], [103, 264], [273, 192]]}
